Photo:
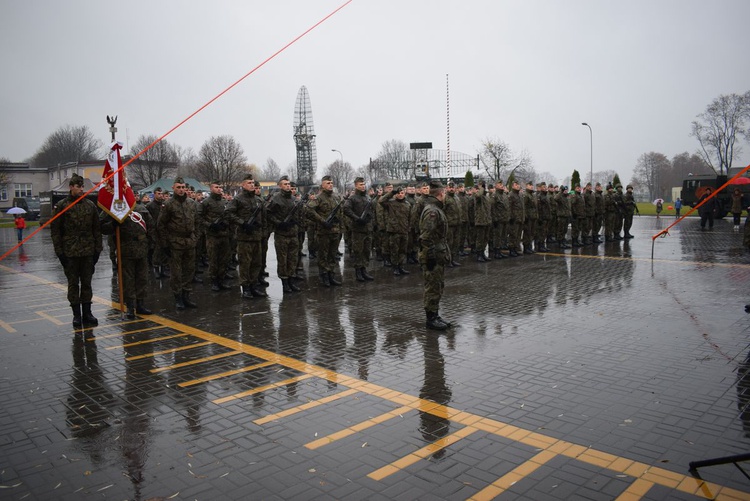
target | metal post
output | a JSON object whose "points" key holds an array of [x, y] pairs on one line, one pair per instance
{"points": [[591, 137]]}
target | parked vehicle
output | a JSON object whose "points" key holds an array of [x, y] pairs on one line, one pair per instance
{"points": [[693, 188], [31, 205]]}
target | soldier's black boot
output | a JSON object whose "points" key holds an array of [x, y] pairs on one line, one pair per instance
{"points": [[197, 279], [130, 312], [88, 319], [332, 279], [358, 275], [140, 308], [285, 285], [257, 291], [247, 291], [178, 302], [434, 323], [186, 300], [262, 282], [215, 285], [77, 322], [293, 286], [366, 275], [442, 320], [402, 270], [157, 272], [325, 280]]}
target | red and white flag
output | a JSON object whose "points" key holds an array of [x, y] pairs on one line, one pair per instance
{"points": [[116, 197]]}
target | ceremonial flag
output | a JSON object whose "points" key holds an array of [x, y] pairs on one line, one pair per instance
{"points": [[116, 197]]}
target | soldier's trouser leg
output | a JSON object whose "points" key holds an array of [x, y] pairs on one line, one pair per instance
{"points": [[398, 248], [286, 255], [361, 247], [249, 254], [514, 236], [434, 282], [129, 280], [609, 223], [540, 233], [79, 272], [464, 229], [112, 244], [528, 233], [471, 235], [481, 238], [562, 229], [327, 251], [454, 235], [617, 228], [182, 265], [312, 240], [384, 244], [217, 249], [598, 222], [628, 222]]}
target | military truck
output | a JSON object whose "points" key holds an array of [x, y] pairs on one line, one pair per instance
{"points": [[694, 187], [30, 205]]}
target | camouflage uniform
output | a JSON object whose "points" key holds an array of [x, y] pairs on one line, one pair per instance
{"points": [[598, 214], [157, 258], [217, 238], [433, 254], [610, 211], [515, 223], [482, 222], [578, 212], [328, 235], [589, 201], [543, 204], [286, 242], [77, 240], [619, 212], [500, 217], [462, 200], [249, 237], [452, 209], [630, 207], [359, 209], [177, 233], [396, 216], [563, 216], [531, 215]]}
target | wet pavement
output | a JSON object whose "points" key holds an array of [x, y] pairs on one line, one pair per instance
{"points": [[594, 374]]}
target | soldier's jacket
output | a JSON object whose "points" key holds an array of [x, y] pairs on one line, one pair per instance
{"points": [[281, 205], [577, 205], [471, 206], [462, 200], [563, 206], [452, 209], [589, 203], [433, 231], [212, 216], [397, 213], [482, 208], [416, 213], [379, 214], [196, 206], [177, 223], [599, 202], [619, 202], [552, 197], [154, 208], [500, 207], [321, 208], [135, 231], [609, 202], [76, 233], [530, 209], [543, 204], [515, 205], [359, 209], [629, 203], [240, 209]]}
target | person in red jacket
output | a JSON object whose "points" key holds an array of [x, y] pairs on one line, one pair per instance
{"points": [[20, 226]]}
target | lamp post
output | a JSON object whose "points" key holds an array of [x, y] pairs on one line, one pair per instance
{"points": [[342, 157], [591, 137]]}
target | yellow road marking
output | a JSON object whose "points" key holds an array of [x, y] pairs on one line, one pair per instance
{"points": [[172, 350], [196, 361], [358, 427], [7, 326], [47, 317], [422, 453], [125, 333], [649, 260], [309, 405], [636, 490], [225, 374], [518, 473], [146, 341], [261, 389]]}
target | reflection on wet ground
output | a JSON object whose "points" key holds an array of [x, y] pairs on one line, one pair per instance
{"points": [[593, 374]]}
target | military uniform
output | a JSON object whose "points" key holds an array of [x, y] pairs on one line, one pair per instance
{"points": [[433, 256], [328, 234], [598, 214], [283, 213], [482, 222], [249, 235], [452, 209], [515, 223], [178, 239], [359, 209], [629, 211], [462, 199], [397, 216], [217, 231], [531, 215], [610, 211], [543, 204], [562, 203], [589, 202], [136, 231], [578, 223], [500, 218], [157, 257], [77, 240], [619, 212]]}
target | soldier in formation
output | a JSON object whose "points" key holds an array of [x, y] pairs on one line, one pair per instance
{"points": [[396, 213], [324, 211], [359, 210], [434, 254], [283, 214]]}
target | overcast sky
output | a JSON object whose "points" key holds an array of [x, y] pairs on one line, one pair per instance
{"points": [[528, 72]]}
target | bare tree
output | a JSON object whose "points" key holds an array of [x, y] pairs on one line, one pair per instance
{"points": [[364, 172], [718, 127], [650, 171], [68, 144], [393, 161], [221, 159], [159, 161], [684, 165], [271, 172], [341, 174], [500, 161], [604, 176]]}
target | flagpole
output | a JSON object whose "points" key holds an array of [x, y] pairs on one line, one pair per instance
{"points": [[112, 129]]}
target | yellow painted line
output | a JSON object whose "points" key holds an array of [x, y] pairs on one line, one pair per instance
{"points": [[164, 352], [7, 326], [649, 260], [146, 341], [422, 453], [346, 432], [125, 333], [224, 374], [47, 317], [518, 473], [636, 490], [196, 361], [261, 389], [309, 405], [47, 304]]}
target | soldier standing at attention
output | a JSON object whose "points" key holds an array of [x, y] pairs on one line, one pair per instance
{"points": [[328, 231], [358, 208], [452, 209], [482, 221], [217, 236], [77, 239], [619, 212], [609, 214], [515, 223], [396, 215], [589, 202], [543, 204], [578, 212], [500, 216], [156, 257], [178, 240], [531, 215], [135, 232], [434, 254], [247, 212], [464, 232], [630, 209], [563, 216], [283, 214], [599, 213]]}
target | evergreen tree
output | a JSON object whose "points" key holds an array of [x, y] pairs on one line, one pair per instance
{"points": [[616, 180], [575, 179], [469, 179]]}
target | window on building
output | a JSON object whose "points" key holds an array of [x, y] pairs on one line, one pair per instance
{"points": [[3, 193], [23, 190]]}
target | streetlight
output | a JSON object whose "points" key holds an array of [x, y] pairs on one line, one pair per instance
{"points": [[591, 136], [342, 157]]}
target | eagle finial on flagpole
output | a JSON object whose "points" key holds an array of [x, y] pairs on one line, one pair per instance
{"points": [[112, 128]]}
